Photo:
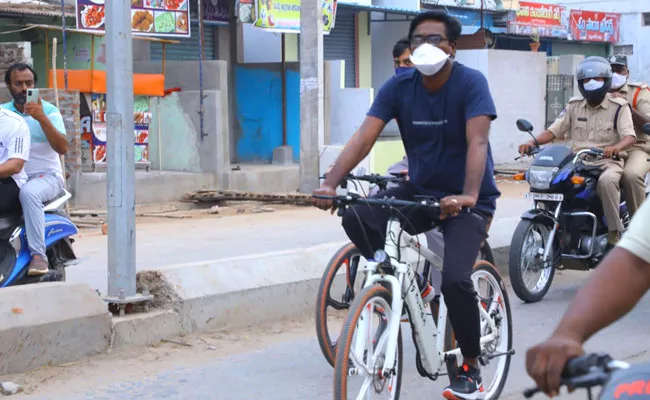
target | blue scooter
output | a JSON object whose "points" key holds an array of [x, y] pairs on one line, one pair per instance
{"points": [[14, 252]]}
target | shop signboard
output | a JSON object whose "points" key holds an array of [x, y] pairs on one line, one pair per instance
{"points": [[489, 5], [537, 19], [216, 11], [595, 26], [284, 15], [166, 18]]}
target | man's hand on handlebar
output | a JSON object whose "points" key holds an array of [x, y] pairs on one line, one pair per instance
{"points": [[545, 362], [323, 204], [611, 152], [450, 206], [526, 148]]}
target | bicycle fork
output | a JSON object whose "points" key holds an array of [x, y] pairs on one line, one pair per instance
{"points": [[397, 304]]}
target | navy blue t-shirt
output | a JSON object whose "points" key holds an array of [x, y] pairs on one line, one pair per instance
{"points": [[432, 126]]}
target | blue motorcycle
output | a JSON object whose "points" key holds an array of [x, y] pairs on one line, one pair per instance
{"points": [[566, 228], [14, 252]]}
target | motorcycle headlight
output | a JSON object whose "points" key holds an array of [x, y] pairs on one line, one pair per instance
{"points": [[540, 177]]}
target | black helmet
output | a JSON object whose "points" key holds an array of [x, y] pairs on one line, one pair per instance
{"points": [[594, 67]]}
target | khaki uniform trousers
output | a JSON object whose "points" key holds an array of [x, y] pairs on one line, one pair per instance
{"points": [[636, 166], [609, 191]]}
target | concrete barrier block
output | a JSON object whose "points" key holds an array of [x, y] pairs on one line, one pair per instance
{"points": [[50, 323], [243, 291], [146, 329]]}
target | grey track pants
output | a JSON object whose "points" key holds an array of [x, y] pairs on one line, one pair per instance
{"points": [[39, 189]]}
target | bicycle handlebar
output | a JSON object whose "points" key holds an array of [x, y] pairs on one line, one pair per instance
{"points": [[585, 372], [341, 202], [376, 179]]}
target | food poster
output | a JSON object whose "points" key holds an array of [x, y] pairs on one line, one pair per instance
{"points": [[148, 17], [141, 120]]}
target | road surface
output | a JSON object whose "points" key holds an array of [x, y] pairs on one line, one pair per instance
{"points": [[283, 361]]}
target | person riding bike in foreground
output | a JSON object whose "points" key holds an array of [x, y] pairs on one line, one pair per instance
{"points": [[618, 283], [444, 110]]}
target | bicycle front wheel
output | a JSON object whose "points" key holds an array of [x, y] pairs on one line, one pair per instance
{"points": [[335, 295], [361, 352]]}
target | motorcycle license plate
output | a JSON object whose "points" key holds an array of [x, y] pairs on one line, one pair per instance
{"points": [[544, 196]]}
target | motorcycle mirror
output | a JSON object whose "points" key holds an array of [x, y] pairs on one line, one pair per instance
{"points": [[524, 126], [646, 128]]}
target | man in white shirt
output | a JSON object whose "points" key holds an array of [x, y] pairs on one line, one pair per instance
{"points": [[44, 172], [14, 152], [617, 284]]}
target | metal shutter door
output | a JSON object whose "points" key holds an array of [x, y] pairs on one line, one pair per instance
{"points": [[341, 44], [188, 48]]}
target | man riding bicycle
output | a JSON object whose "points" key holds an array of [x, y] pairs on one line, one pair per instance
{"points": [[444, 110]]}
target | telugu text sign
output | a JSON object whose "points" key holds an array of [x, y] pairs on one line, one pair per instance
{"points": [[539, 19], [595, 26], [148, 17], [537, 14]]}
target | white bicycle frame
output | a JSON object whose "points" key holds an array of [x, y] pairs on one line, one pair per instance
{"points": [[428, 339]]}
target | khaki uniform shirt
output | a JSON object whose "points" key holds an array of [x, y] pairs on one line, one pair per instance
{"points": [[636, 239], [587, 127], [642, 102]]}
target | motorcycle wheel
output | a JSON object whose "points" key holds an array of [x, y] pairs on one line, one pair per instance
{"points": [[524, 258]]}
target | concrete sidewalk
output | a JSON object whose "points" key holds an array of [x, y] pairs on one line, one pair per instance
{"points": [[173, 242]]}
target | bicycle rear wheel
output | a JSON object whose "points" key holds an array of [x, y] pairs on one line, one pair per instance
{"points": [[371, 305]]}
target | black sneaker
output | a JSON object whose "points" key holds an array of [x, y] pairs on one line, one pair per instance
{"points": [[466, 385]]}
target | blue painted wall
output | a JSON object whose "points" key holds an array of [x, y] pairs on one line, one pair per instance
{"points": [[258, 99]]}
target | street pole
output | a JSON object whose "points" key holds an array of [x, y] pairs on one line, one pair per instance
{"points": [[120, 152], [311, 92]]}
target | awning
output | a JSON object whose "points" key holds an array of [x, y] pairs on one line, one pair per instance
{"points": [[35, 8], [380, 9]]}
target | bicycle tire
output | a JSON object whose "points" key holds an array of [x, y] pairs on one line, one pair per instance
{"points": [[328, 348], [341, 368]]}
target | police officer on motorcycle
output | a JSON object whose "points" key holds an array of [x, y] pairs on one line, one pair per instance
{"points": [[596, 120], [636, 163]]}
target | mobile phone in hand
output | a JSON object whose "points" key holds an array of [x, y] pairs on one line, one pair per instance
{"points": [[32, 95]]}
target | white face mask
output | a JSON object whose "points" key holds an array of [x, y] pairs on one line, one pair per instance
{"points": [[593, 85], [429, 59], [618, 80]]}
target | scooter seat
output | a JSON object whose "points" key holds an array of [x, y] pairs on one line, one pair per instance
{"points": [[8, 223]]}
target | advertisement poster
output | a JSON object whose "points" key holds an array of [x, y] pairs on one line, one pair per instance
{"points": [[216, 11], [284, 15], [595, 26], [490, 5], [540, 19], [141, 120], [167, 18]]}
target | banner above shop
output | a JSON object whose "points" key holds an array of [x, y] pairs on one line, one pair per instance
{"points": [[489, 5], [595, 26], [169, 18], [284, 15], [538, 19]]}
